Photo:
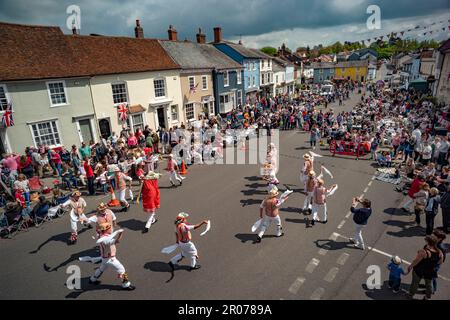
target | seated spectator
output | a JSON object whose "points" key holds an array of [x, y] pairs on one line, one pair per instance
{"points": [[41, 208]]}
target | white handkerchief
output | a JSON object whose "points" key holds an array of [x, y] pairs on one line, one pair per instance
{"points": [[333, 191], [256, 225], [285, 195], [315, 155], [208, 227], [328, 172], [170, 249]]}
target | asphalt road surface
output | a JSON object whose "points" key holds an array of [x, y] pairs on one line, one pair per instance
{"points": [[307, 263]]}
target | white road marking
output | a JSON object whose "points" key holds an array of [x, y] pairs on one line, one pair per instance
{"points": [[343, 259], [334, 236], [341, 224], [373, 178], [323, 252], [366, 189], [296, 285], [388, 255], [317, 294], [331, 274], [370, 183], [312, 265], [348, 215]]}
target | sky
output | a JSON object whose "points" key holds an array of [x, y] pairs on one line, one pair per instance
{"points": [[257, 23]]}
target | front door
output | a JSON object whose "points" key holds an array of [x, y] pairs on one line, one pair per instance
{"points": [[161, 118], [105, 128], [86, 130], [2, 142]]}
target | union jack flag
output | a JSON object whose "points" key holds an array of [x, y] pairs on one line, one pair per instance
{"points": [[193, 89], [123, 111], [7, 118]]}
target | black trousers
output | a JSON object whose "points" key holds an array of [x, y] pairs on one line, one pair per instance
{"points": [[429, 217], [91, 186], [446, 219]]}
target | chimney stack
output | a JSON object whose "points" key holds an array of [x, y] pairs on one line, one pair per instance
{"points": [[217, 35], [139, 31], [201, 38], [173, 34]]}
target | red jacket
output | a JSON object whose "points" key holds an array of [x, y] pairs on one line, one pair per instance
{"points": [[415, 187]]}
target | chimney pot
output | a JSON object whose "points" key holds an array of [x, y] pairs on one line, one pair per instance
{"points": [[173, 34], [217, 34], [201, 38], [138, 30]]}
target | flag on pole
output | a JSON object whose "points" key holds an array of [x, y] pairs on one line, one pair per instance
{"points": [[123, 112], [7, 118]]}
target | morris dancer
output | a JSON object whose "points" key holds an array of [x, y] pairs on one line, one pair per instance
{"points": [[308, 166], [150, 198], [172, 167], [311, 184], [270, 207], [183, 236], [77, 205], [104, 215], [108, 249], [320, 195], [121, 180], [272, 159]]}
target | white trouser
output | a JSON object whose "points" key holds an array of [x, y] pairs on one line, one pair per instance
{"points": [[188, 250], [358, 235], [74, 223], [316, 208], [308, 201], [175, 176], [122, 197], [197, 157], [115, 264], [303, 179], [408, 202], [266, 223], [150, 220]]}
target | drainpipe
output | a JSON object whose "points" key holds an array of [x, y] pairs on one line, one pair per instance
{"points": [[97, 126]]}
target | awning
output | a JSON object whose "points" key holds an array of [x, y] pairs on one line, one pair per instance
{"points": [[137, 109], [155, 103], [208, 99]]}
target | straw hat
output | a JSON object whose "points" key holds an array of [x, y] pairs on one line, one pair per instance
{"points": [[181, 217], [307, 156], [312, 174], [273, 193], [116, 169], [76, 194], [397, 260], [102, 207], [104, 227]]}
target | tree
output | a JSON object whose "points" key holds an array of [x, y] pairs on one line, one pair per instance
{"points": [[271, 51]]}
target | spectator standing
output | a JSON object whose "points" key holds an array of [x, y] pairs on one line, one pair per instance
{"points": [[425, 267], [360, 218], [395, 274]]}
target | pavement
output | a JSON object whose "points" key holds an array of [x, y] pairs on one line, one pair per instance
{"points": [[315, 263]]}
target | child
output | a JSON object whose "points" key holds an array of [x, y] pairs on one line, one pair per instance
{"points": [[395, 274], [103, 179]]}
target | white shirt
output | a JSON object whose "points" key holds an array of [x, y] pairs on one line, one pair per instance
{"points": [[444, 146], [426, 152]]}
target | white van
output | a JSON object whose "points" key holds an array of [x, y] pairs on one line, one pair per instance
{"points": [[327, 90]]}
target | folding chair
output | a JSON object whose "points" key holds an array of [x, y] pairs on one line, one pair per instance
{"points": [[48, 217]]}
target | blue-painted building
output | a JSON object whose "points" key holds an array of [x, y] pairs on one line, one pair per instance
{"points": [[323, 71], [250, 61]]}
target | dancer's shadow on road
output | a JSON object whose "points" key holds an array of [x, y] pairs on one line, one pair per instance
{"points": [[246, 237], [63, 237], [158, 266], [250, 202], [254, 178], [132, 224], [256, 185], [89, 287], [384, 293], [253, 192], [93, 252], [331, 245], [396, 212]]}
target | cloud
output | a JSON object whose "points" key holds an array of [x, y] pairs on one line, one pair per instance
{"points": [[253, 19]]}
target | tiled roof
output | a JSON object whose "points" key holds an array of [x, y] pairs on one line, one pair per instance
{"points": [[137, 109], [39, 52], [191, 55], [245, 52], [445, 47]]}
